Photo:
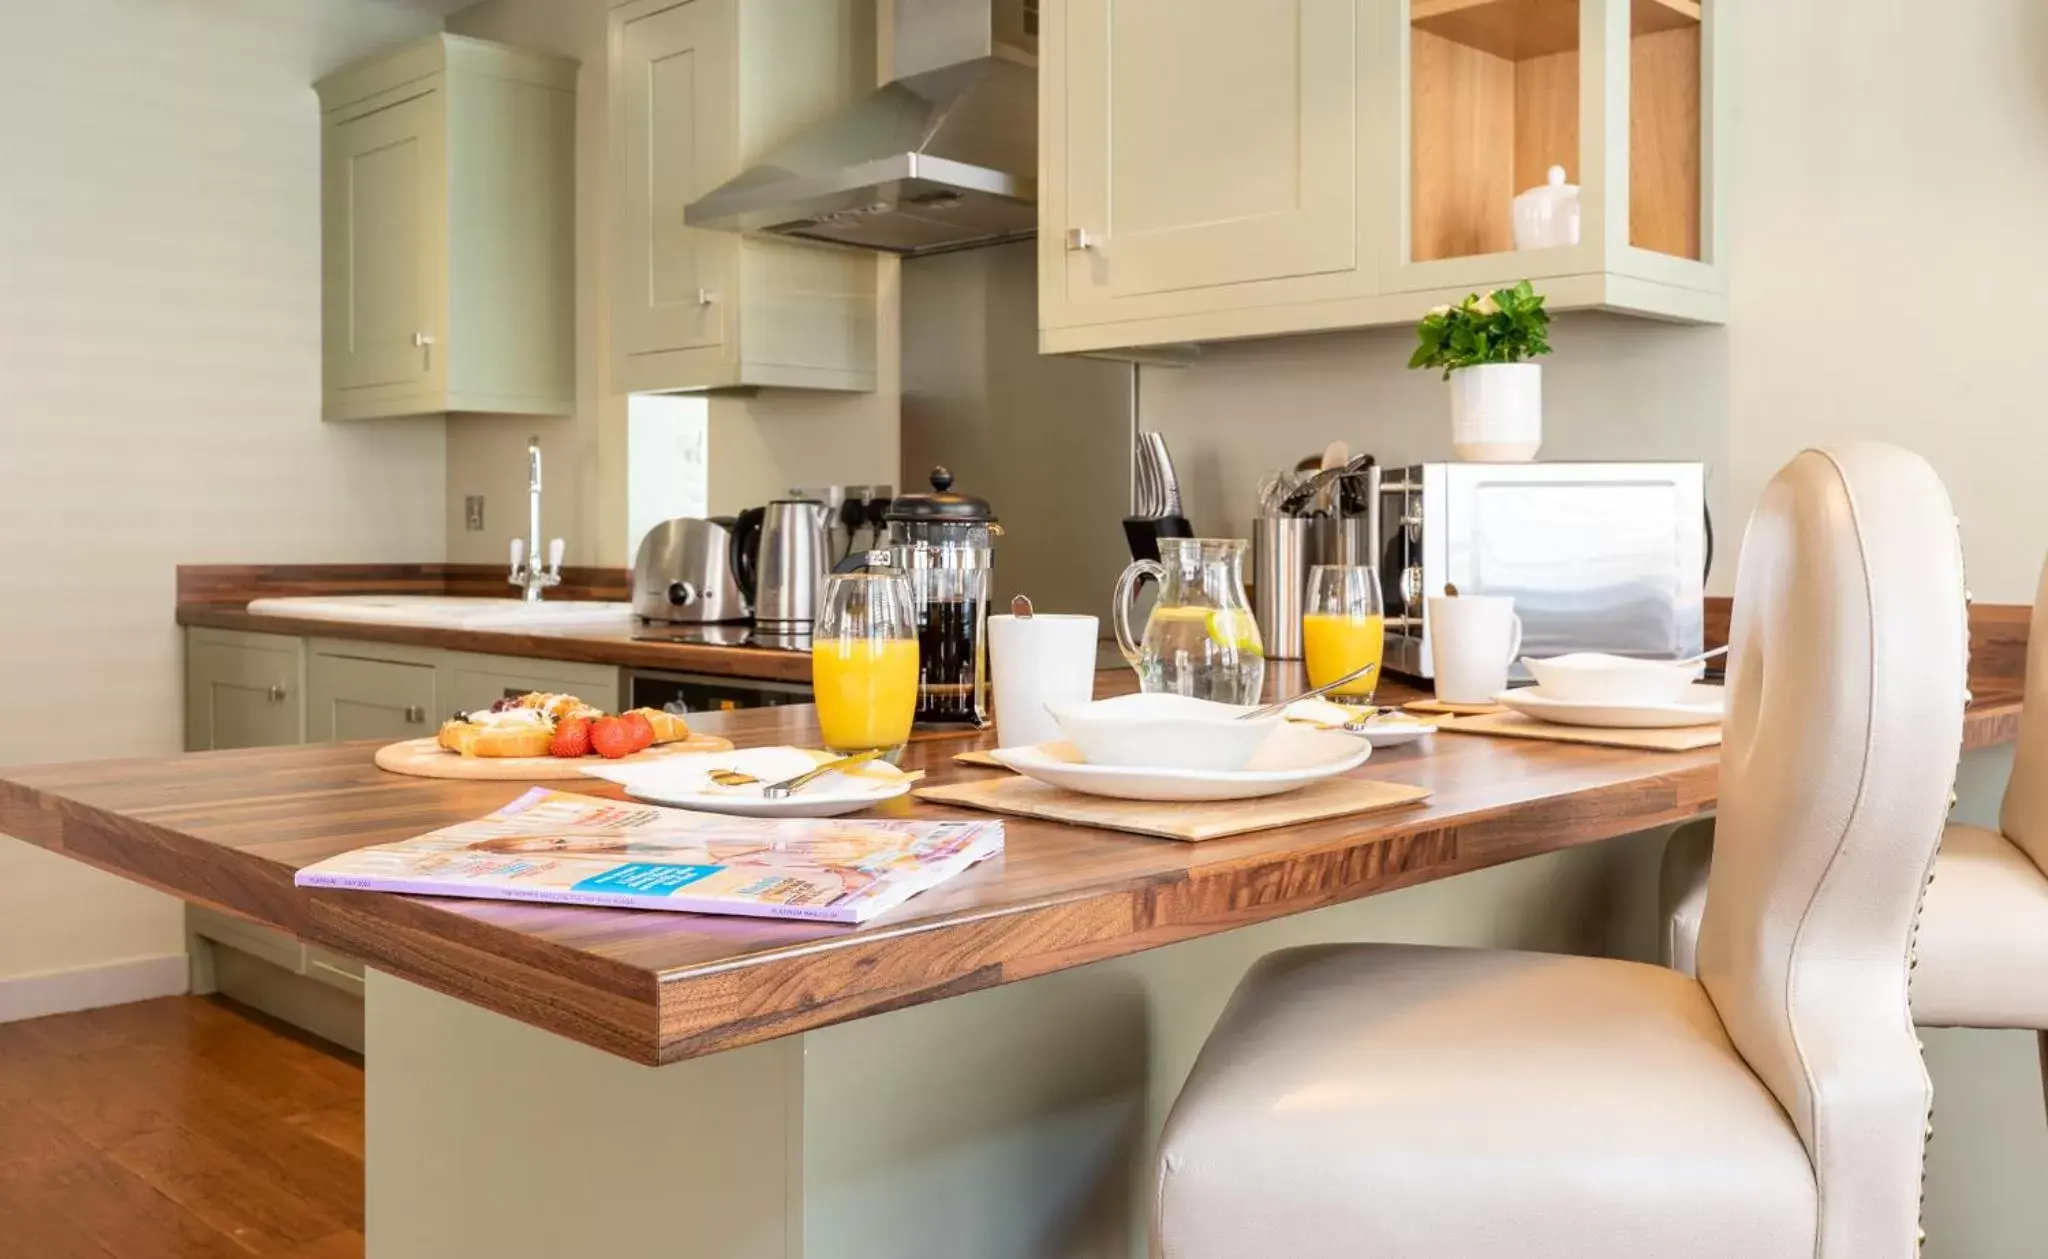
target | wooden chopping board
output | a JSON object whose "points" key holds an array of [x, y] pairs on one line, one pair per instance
{"points": [[1516, 726], [1027, 797], [424, 758]]}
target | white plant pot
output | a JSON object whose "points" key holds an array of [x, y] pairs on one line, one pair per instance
{"points": [[1497, 412]]}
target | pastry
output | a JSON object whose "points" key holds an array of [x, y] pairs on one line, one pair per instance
{"points": [[668, 728], [510, 732]]}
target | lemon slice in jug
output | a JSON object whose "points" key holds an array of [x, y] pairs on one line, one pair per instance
{"points": [[1234, 627]]}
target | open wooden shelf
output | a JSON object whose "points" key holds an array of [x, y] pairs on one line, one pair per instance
{"points": [[1519, 30], [1495, 103]]}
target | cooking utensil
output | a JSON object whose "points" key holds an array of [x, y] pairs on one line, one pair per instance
{"points": [[790, 786], [1168, 479], [1314, 692], [1704, 656]]}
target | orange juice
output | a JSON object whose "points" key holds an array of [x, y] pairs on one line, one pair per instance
{"points": [[1335, 643], [866, 691]]}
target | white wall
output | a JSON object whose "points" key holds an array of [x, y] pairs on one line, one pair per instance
{"points": [[1890, 165], [160, 386]]}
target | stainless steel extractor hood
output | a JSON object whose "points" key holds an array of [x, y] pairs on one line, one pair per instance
{"points": [[943, 157]]}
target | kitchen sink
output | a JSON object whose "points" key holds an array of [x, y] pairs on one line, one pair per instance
{"points": [[447, 612]]}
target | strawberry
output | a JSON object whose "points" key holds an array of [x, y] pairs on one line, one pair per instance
{"points": [[572, 738], [643, 730], [612, 737]]}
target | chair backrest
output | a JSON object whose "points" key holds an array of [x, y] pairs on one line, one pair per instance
{"points": [[2025, 816], [1847, 668]]}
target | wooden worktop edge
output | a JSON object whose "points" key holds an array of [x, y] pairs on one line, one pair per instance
{"points": [[651, 1016], [564, 644], [606, 1004]]}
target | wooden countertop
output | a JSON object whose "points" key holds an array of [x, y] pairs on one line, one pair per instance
{"points": [[626, 647], [228, 829], [217, 596]]}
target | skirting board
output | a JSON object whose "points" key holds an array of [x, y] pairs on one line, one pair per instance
{"points": [[89, 987]]}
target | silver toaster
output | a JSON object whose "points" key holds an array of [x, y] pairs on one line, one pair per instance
{"points": [[696, 571], [1598, 556]]}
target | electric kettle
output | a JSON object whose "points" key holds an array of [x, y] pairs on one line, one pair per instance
{"points": [[795, 551]]}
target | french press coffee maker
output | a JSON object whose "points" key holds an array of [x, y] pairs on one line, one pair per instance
{"points": [[942, 541]]}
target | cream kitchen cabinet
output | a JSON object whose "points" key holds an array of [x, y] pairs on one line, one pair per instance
{"points": [[1212, 169], [700, 88], [474, 681], [1199, 160], [360, 690], [243, 690], [448, 232], [251, 690]]}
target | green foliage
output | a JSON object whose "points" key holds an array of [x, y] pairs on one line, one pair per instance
{"points": [[1505, 326]]}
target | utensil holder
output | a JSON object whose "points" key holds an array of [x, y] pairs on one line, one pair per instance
{"points": [[1280, 560]]}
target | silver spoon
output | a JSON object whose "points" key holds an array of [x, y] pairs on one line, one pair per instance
{"points": [[1267, 710]]}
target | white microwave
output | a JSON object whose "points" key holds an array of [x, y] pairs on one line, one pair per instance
{"points": [[1597, 556]]}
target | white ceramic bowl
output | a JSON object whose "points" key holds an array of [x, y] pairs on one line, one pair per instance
{"points": [[1163, 732], [1591, 677]]}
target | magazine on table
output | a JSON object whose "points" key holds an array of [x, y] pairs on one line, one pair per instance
{"points": [[573, 849]]}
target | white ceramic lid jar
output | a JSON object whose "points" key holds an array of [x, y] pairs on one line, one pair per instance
{"points": [[1548, 217]]}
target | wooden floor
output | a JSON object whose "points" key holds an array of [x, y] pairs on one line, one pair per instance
{"points": [[185, 1127]]}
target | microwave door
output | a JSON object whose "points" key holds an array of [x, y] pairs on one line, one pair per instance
{"points": [[1600, 563]]}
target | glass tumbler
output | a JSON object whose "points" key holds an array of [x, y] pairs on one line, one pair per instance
{"points": [[1343, 628], [864, 662]]}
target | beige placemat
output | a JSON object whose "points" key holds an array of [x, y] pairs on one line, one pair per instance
{"points": [[1027, 797], [979, 759], [424, 758], [1444, 707], [1515, 725]]}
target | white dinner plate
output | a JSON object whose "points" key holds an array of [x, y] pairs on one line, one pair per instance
{"points": [[1295, 756], [1700, 705], [681, 781]]}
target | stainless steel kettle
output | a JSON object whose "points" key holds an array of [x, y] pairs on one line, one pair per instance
{"points": [[796, 549]]}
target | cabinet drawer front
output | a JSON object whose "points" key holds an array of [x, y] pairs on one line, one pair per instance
{"points": [[1209, 144], [479, 681], [241, 696], [356, 698], [675, 125], [384, 192]]}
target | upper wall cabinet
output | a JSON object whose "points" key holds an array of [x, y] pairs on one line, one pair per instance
{"points": [[699, 89], [1212, 169], [448, 232]]}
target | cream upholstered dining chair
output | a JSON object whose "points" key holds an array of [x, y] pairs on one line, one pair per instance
{"points": [[1982, 953], [1398, 1102]]}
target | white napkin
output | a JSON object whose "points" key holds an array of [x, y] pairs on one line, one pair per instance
{"points": [[690, 773], [1325, 715]]}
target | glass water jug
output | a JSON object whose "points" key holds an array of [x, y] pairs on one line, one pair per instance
{"points": [[1201, 639]]}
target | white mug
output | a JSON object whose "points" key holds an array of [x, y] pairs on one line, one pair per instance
{"points": [[1037, 660], [1473, 639]]}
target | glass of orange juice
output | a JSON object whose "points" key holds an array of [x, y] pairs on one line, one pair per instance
{"points": [[1344, 628], [864, 662]]}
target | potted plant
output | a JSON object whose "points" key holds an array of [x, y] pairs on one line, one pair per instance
{"points": [[1483, 345]]}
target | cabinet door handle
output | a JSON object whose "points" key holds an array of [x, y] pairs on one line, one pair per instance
{"points": [[277, 694], [706, 296], [1079, 239], [424, 341], [415, 715]]}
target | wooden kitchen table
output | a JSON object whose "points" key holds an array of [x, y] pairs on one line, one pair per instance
{"points": [[852, 1091]]}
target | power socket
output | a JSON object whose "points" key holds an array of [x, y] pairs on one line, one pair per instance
{"points": [[473, 513]]}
